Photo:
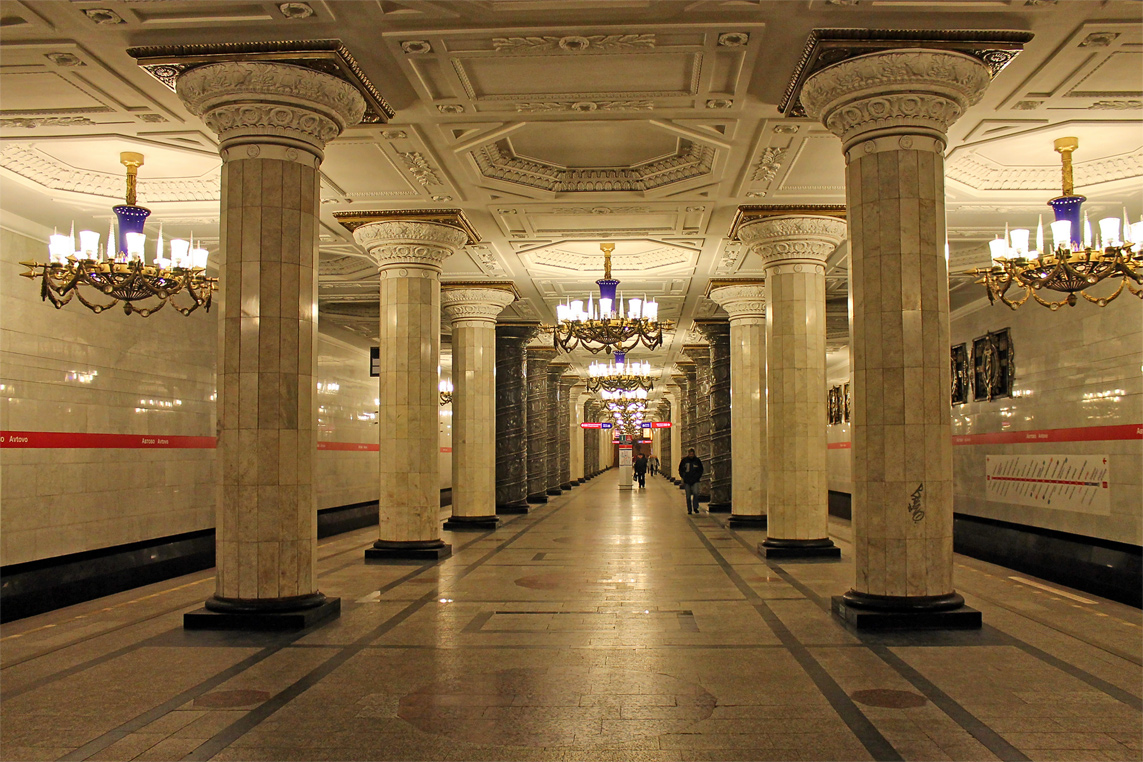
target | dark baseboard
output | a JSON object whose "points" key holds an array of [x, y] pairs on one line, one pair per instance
{"points": [[35, 587], [1106, 568], [841, 505]]}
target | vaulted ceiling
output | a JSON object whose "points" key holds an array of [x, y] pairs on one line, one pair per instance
{"points": [[557, 124]]}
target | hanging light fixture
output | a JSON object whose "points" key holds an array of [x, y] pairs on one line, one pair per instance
{"points": [[607, 325], [445, 388], [116, 268], [619, 375], [631, 394], [1076, 260]]}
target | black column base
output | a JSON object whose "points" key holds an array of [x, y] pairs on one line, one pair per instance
{"points": [[704, 499], [274, 615], [553, 491], [566, 486], [718, 508], [580, 480], [471, 523], [746, 522], [413, 550], [511, 509], [791, 549], [538, 498], [900, 612]]}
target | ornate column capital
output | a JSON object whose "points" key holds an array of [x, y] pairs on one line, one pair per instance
{"points": [[254, 102], [798, 240], [713, 330], [742, 301], [464, 304], [895, 92], [699, 355], [416, 243]]}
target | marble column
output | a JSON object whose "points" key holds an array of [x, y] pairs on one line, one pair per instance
{"points": [[537, 380], [409, 253], [666, 462], [564, 427], [700, 356], [575, 431], [717, 332], [745, 302], [266, 517], [555, 431], [892, 110], [793, 250], [686, 383], [512, 417], [472, 310]]}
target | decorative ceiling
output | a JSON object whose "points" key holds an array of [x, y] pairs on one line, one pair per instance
{"points": [[557, 124]]}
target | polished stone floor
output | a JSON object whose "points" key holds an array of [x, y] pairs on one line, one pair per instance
{"points": [[605, 625]]}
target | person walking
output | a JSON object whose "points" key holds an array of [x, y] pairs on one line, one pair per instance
{"points": [[654, 462], [690, 471], [640, 468]]}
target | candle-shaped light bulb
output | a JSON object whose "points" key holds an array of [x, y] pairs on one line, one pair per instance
{"points": [[1062, 234], [1040, 237], [112, 244], [159, 245], [1086, 232], [72, 236]]}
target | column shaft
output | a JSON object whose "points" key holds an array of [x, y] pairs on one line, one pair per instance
{"points": [[700, 355], [512, 418], [721, 464], [555, 431], [537, 382]]}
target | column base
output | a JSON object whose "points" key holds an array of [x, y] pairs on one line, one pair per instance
{"points": [[704, 498], [901, 612], [746, 522], [413, 550], [538, 498], [272, 615], [553, 491], [471, 523], [790, 549], [580, 480], [511, 509], [566, 486], [718, 508]]}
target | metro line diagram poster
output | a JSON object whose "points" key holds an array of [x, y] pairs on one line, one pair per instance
{"points": [[1063, 482]]}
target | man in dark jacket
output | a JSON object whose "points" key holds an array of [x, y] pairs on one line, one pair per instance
{"points": [[640, 468], [690, 471]]}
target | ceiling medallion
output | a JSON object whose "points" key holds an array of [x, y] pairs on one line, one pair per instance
{"points": [[619, 376], [1073, 264], [120, 272], [605, 326]]}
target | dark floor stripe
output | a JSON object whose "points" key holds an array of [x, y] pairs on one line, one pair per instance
{"points": [[255, 717], [992, 740], [865, 731]]}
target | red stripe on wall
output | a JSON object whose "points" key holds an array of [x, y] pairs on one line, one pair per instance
{"points": [[350, 446], [839, 446], [1078, 434], [76, 441]]}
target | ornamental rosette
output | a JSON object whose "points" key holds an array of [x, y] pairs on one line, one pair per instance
{"points": [[250, 99]]}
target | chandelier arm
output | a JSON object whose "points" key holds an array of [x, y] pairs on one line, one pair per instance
{"points": [[1103, 301], [1136, 291], [96, 308], [129, 307], [1053, 306]]}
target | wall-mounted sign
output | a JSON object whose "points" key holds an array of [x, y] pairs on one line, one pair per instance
{"points": [[593, 425], [1063, 482], [656, 424], [375, 361]]}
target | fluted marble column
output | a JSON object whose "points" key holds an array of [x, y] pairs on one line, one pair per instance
{"points": [[717, 332], [666, 462], [512, 417], [266, 525], [745, 302], [793, 250], [555, 431], [538, 360], [700, 356], [892, 111], [409, 253], [564, 425], [472, 310]]}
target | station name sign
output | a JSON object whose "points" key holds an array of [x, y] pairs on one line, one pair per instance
{"points": [[656, 424], [592, 425]]}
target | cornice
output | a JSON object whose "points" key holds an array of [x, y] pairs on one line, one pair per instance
{"points": [[351, 221], [750, 212]]}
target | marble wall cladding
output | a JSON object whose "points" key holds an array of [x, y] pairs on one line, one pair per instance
{"points": [[71, 370], [839, 449], [795, 404], [511, 415], [537, 382], [748, 406], [1078, 368], [410, 405], [900, 354]]}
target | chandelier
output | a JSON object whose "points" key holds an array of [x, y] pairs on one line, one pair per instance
{"points": [[117, 270], [605, 326], [619, 375], [631, 394], [445, 389], [627, 408], [1075, 262]]}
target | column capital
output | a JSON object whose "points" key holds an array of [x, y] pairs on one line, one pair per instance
{"points": [[699, 354], [741, 299], [464, 302], [805, 240], [257, 102], [895, 92], [415, 243], [713, 330]]}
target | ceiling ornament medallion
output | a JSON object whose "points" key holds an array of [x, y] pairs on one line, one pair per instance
{"points": [[583, 107], [995, 49], [166, 62], [768, 164], [573, 43]]}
